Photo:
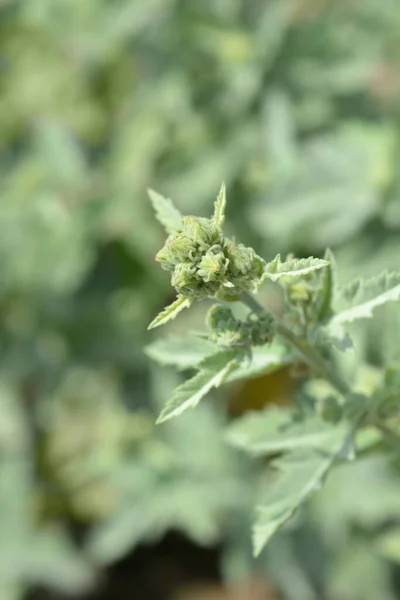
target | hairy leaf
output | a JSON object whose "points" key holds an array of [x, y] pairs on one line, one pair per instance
{"points": [[359, 298], [169, 313], [274, 430], [296, 267], [168, 215], [301, 474], [189, 394], [219, 207], [336, 337], [182, 352], [265, 359]]}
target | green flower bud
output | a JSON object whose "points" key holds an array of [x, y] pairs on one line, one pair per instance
{"points": [[185, 281], [257, 267], [176, 249], [213, 265], [166, 258], [226, 331], [202, 231], [262, 330], [183, 274], [198, 229], [240, 259], [219, 316], [245, 268]]}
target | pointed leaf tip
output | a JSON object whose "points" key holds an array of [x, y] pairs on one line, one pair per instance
{"points": [[220, 206], [166, 213], [171, 311]]}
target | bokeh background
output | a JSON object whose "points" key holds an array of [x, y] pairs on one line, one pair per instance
{"points": [[295, 104]]}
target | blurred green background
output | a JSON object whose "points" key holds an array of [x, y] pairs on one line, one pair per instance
{"points": [[295, 104]]}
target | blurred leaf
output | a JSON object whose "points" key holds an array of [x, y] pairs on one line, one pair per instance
{"points": [[264, 360], [182, 352], [359, 298], [300, 475], [166, 213], [274, 430]]}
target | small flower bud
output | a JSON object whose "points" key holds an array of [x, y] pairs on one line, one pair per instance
{"points": [[183, 274], [218, 316], [213, 265], [262, 330], [226, 331], [240, 259], [198, 229], [203, 231], [176, 250], [166, 258], [185, 281]]}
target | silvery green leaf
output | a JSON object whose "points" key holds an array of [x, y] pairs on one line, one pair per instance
{"points": [[334, 336], [301, 473], [274, 430], [291, 269], [265, 359], [189, 394], [219, 207], [359, 298], [169, 313], [182, 352], [168, 215]]}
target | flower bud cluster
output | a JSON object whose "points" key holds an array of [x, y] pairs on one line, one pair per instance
{"points": [[203, 262], [230, 332]]}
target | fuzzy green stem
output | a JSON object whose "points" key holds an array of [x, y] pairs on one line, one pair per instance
{"points": [[311, 357]]}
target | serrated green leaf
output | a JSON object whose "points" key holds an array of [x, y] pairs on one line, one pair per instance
{"points": [[301, 474], [189, 394], [220, 206], [264, 360], [218, 360], [182, 352], [336, 337], [359, 298], [169, 313], [292, 269], [167, 214], [274, 430]]}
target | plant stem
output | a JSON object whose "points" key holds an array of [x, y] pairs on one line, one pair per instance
{"points": [[311, 357]]}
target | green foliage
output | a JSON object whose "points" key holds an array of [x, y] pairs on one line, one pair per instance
{"points": [[359, 298], [213, 372], [204, 263], [293, 268], [301, 474], [276, 430], [324, 429], [171, 311], [295, 105], [165, 211], [182, 352]]}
